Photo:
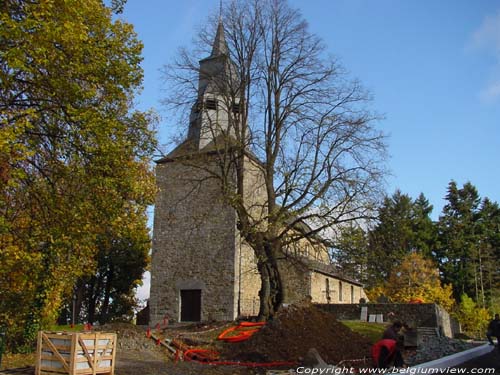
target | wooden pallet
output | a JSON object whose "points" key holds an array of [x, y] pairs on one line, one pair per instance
{"points": [[75, 353]]}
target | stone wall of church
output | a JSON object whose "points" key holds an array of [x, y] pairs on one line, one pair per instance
{"points": [[193, 244], [298, 280], [249, 278], [248, 285], [339, 291]]}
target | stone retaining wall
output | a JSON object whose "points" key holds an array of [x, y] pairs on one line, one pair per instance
{"points": [[415, 315]]}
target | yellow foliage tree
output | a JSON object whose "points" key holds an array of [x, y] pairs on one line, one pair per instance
{"points": [[416, 279], [473, 319], [74, 155]]}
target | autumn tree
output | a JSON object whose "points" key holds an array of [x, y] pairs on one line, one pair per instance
{"points": [[293, 109], [473, 318], [109, 292], [417, 278], [73, 153]]}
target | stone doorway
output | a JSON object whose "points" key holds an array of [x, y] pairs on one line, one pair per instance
{"points": [[191, 305]]}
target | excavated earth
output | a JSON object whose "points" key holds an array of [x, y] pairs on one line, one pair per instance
{"points": [[295, 330], [288, 337]]}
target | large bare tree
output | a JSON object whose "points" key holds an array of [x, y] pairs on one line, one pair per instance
{"points": [[292, 110]]}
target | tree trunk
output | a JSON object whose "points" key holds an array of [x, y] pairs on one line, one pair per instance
{"points": [[79, 296], [107, 295], [271, 292]]}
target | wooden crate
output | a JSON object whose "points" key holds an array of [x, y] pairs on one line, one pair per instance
{"points": [[75, 353]]}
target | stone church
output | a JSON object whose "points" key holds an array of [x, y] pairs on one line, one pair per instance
{"points": [[201, 268]]}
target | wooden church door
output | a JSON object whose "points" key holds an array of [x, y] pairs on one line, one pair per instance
{"points": [[191, 305]]}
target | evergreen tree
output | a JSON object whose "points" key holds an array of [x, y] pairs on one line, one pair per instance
{"points": [[352, 253], [423, 228], [458, 239], [488, 252], [403, 226]]}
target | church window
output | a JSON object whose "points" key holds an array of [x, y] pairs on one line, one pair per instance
{"points": [[352, 294], [327, 291], [236, 108], [211, 104], [340, 290]]}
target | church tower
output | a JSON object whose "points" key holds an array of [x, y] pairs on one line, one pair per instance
{"points": [[217, 95], [195, 257]]}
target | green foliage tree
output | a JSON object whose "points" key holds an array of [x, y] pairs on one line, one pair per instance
{"points": [[121, 261], [468, 243], [473, 319], [351, 252], [488, 253], [403, 225], [457, 234], [73, 154]]}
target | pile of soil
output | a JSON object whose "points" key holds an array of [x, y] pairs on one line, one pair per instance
{"points": [[296, 329], [129, 337]]}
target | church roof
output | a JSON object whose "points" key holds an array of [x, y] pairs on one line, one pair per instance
{"points": [[220, 45], [329, 270], [189, 149]]}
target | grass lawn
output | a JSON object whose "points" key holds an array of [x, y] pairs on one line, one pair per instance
{"points": [[373, 331], [58, 328], [17, 360]]}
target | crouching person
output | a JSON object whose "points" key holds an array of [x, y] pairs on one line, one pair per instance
{"points": [[385, 353]]}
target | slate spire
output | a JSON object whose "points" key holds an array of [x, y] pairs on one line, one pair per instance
{"points": [[220, 46]]}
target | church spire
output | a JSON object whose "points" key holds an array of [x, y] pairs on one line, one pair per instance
{"points": [[220, 46]]}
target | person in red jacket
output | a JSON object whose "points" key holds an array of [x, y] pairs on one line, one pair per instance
{"points": [[386, 352]]}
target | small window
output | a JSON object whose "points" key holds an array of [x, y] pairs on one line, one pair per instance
{"points": [[327, 291], [236, 108], [352, 294], [211, 104], [340, 290]]}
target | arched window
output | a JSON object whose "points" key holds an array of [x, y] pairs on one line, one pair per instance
{"points": [[340, 291]]}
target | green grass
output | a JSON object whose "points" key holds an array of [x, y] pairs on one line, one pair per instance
{"points": [[373, 331], [56, 327]]}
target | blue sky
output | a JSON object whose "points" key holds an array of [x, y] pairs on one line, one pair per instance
{"points": [[433, 68]]}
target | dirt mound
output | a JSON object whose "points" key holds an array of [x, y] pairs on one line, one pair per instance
{"points": [[129, 336], [296, 329]]}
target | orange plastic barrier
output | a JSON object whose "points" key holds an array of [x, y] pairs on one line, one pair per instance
{"points": [[211, 357], [201, 355], [241, 335]]}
